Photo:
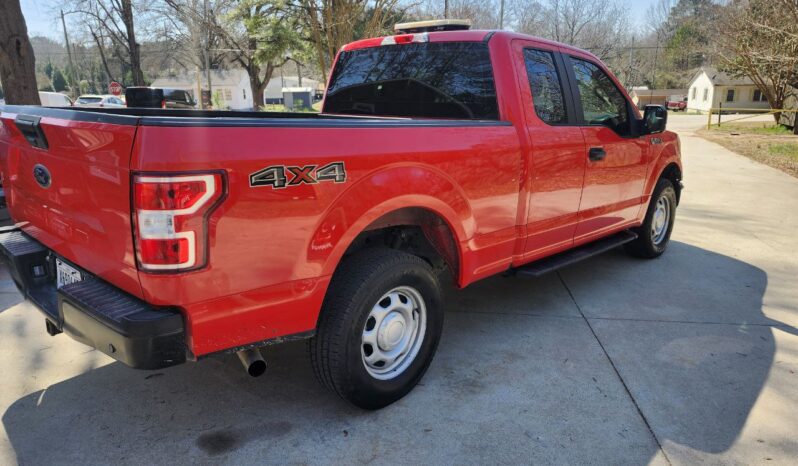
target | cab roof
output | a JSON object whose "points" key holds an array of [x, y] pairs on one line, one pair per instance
{"points": [[476, 35]]}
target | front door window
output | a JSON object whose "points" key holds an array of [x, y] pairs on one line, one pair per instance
{"points": [[602, 102]]}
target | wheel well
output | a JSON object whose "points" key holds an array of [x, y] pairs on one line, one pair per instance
{"points": [[674, 174], [417, 231]]}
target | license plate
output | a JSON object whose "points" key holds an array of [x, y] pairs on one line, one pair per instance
{"points": [[66, 274]]}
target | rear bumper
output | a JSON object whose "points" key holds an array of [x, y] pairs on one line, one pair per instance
{"points": [[92, 311]]}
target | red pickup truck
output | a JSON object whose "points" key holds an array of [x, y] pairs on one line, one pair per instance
{"points": [[164, 236], [677, 103]]}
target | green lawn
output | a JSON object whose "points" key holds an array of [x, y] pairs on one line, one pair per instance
{"points": [[784, 150], [764, 142], [282, 108], [758, 127]]}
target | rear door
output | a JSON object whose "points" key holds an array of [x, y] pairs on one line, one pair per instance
{"points": [[617, 158], [556, 153], [67, 184]]}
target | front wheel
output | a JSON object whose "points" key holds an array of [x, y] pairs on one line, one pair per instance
{"points": [[379, 327], [655, 232]]}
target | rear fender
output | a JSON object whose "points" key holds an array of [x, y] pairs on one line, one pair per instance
{"points": [[380, 193]]}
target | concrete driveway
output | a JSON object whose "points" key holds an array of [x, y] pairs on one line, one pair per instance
{"points": [[691, 358]]}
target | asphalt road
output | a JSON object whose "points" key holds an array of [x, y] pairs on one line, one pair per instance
{"points": [[690, 358]]}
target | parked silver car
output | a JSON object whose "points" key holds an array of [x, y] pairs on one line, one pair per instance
{"points": [[102, 101]]}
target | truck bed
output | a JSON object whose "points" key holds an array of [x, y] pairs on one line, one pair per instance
{"points": [[268, 245]]}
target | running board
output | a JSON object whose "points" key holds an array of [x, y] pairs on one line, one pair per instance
{"points": [[552, 263]]}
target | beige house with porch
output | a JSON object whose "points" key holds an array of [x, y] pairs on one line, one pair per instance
{"points": [[711, 88]]}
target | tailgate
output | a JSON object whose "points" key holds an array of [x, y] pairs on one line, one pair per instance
{"points": [[67, 183]]}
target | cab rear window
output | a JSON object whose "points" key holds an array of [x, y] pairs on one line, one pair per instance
{"points": [[424, 80]]}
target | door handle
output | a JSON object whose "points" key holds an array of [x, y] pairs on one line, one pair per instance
{"points": [[596, 154]]}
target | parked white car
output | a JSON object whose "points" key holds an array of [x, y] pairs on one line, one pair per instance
{"points": [[104, 101], [54, 99]]}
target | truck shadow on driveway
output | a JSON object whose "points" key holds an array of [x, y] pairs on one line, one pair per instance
{"points": [[519, 375]]}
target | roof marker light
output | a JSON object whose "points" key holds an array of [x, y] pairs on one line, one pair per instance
{"points": [[433, 26]]}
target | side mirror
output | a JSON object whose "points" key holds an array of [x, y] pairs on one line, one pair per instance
{"points": [[655, 118]]}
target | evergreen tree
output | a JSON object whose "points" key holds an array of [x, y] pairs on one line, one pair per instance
{"points": [[59, 82]]}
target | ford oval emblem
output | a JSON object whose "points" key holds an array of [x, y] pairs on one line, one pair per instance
{"points": [[42, 176]]}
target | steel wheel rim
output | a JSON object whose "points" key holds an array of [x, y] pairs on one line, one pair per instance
{"points": [[661, 220], [393, 333]]}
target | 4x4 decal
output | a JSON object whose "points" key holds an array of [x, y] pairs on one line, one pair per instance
{"points": [[275, 176]]}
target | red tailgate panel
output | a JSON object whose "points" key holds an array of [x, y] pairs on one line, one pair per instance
{"points": [[84, 215]]}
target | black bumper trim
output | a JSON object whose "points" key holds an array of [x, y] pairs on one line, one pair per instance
{"points": [[94, 312]]}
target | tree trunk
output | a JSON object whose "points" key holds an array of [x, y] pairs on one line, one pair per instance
{"points": [[255, 86], [779, 103], [135, 52], [17, 63]]}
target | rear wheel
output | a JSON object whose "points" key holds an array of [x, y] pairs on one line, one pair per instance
{"points": [[379, 327], [655, 232]]}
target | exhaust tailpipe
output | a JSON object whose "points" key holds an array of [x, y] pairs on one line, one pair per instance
{"points": [[253, 362]]}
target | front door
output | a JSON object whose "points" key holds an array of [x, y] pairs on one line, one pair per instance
{"points": [[616, 157]]}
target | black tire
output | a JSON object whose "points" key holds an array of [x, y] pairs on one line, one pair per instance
{"points": [[648, 245], [358, 284]]}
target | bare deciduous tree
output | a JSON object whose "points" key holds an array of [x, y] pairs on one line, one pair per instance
{"points": [[17, 63], [115, 18], [600, 27], [764, 49], [188, 29]]}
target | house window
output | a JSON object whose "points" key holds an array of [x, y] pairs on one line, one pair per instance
{"points": [[693, 97], [759, 96], [228, 94], [706, 94], [730, 95], [244, 92]]}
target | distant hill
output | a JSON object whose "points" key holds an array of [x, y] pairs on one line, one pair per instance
{"points": [[48, 50]]}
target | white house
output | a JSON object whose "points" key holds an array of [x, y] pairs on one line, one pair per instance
{"points": [[711, 88], [273, 94], [232, 86], [642, 96]]}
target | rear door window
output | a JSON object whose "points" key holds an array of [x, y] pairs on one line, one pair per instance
{"points": [[546, 87], [427, 80]]}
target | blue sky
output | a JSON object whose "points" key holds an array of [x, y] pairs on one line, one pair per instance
{"points": [[41, 16]]}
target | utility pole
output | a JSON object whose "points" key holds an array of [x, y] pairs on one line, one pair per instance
{"points": [[501, 15], [654, 71], [199, 85], [630, 83], [445, 9], [69, 55], [207, 50]]}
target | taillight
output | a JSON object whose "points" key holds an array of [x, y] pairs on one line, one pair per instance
{"points": [[171, 219], [163, 103]]}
